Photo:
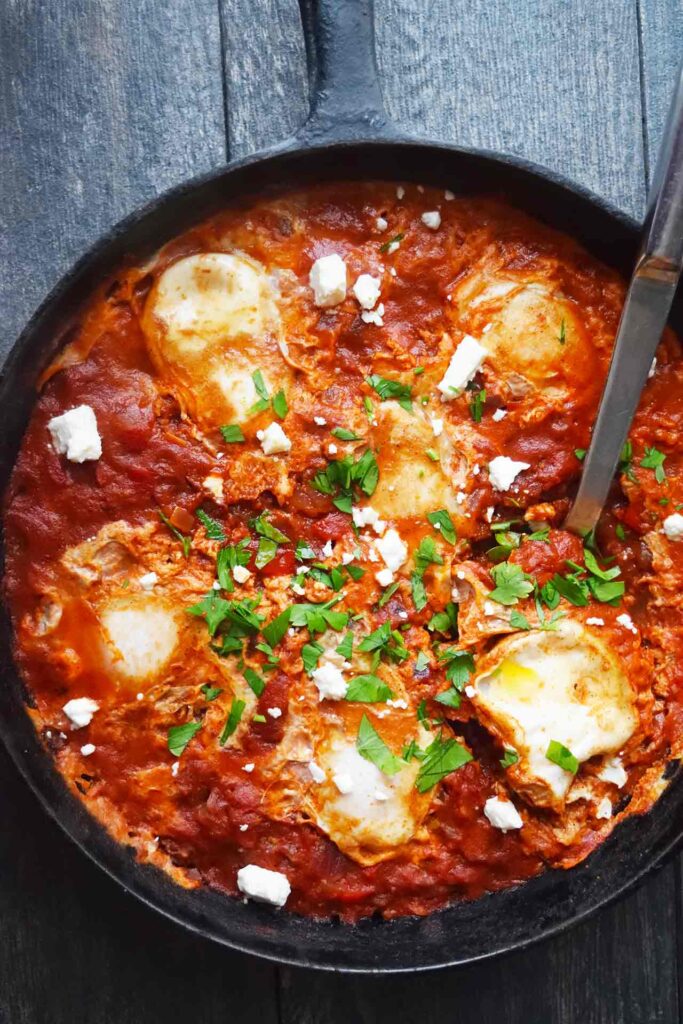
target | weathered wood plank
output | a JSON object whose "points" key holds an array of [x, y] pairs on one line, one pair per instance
{"points": [[661, 37], [76, 949], [552, 81], [599, 973], [103, 106], [265, 72]]}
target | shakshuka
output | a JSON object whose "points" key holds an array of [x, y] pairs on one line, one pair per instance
{"points": [[285, 556]]}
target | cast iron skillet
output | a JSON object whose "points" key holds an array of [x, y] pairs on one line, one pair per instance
{"points": [[346, 136]]}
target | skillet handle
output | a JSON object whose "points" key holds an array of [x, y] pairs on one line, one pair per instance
{"points": [[346, 100]]}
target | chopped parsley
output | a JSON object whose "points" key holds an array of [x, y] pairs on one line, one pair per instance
{"points": [[477, 405], [421, 662], [214, 530], [654, 459], [256, 682], [441, 521], [387, 389], [512, 583], [345, 435], [180, 735], [232, 433], [387, 594], [580, 453], [280, 407], [445, 621], [310, 655], [369, 689], [233, 720], [385, 642], [388, 246], [509, 758], [227, 559], [372, 747], [210, 692], [269, 539], [562, 337], [342, 477], [183, 538], [427, 554], [432, 454], [562, 756], [441, 758]]}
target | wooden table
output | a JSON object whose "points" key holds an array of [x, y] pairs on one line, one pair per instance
{"points": [[104, 104]]}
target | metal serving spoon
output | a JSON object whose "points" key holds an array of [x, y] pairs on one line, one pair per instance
{"points": [[643, 320]]}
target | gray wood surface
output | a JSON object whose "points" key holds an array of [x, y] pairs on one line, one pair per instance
{"points": [[103, 104]]}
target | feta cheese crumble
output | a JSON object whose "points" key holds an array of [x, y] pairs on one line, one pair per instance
{"points": [[367, 289], [275, 712], [400, 191], [248, 768], [327, 278], [317, 774], [80, 710], [626, 621], [148, 580], [320, 421], [240, 574], [382, 223], [374, 316], [613, 771], [263, 885], [431, 219], [75, 434], [499, 415], [273, 439], [673, 526], [595, 620], [504, 471], [437, 426], [465, 361], [329, 678], [502, 814], [343, 782], [87, 749], [392, 549], [384, 577], [604, 808], [367, 516]]}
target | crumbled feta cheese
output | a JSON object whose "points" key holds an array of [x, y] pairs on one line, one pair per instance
{"points": [[329, 679], [502, 814], [449, 195], [240, 574], [393, 246], [214, 484], [148, 580], [174, 768], [367, 289], [653, 368], [392, 271], [384, 577], [80, 710], [476, 469], [273, 439], [595, 620], [87, 749], [392, 549], [604, 808], [374, 316], [248, 767], [368, 516], [490, 608], [398, 703], [431, 219], [465, 361], [504, 471], [275, 712], [327, 549], [243, 828], [470, 692], [382, 224], [613, 771], [437, 426], [490, 512], [139, 696], [263, 885], [381, 795], [317, 774], [400, 191], [332, 449], [499, 414], [673, 526], [328, 280], [215, 585], [75, 434], [320, 421], [298, 589], [343, 782], [626, 621]]}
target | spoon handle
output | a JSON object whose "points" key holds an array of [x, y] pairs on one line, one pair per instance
{"points": [[643, 320]]}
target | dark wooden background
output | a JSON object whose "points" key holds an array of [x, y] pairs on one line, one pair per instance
{"points": [[105, 103]]}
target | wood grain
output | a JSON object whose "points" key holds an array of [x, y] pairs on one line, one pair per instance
{"points": [[104, 105], [661, 32]]}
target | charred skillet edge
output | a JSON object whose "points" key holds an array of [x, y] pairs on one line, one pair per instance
{"points": [[512, 919]]}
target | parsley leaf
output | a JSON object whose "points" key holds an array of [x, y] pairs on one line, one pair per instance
{"points": [[477, 405], [265, 529], [232, 433], [441, 758], [509, 758], [180, 735], [280, 407], [210, 692], [386, 246], [511, 583], [386, 642], [562, 756], [445, 621], [441, 521], [372, 747], [226, 560], [421, 662], [184, 540], [519, 621], [459, 666], [654, 459], [214, 530], [310, 655], [387, 389], [387, 595], [345, 435], [571, 588], [213, 608], [369, 689], [256, 682], [233, 720]]}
